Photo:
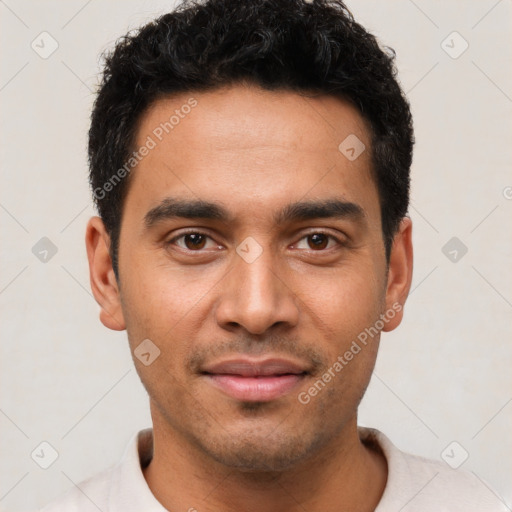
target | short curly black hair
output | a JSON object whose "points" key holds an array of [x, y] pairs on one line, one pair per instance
{"points": [[295, 45]]}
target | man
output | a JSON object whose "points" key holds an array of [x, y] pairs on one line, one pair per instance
{"points": [[250, 163]]}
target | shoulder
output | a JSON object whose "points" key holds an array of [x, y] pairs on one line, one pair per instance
{"points": [[90, 495], [119, 488], [421, 484]]}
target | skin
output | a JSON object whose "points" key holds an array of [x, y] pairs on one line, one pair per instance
{"points": [[254, 152]]}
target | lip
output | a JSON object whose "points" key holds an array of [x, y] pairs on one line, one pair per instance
{"points": [[255, 381]]}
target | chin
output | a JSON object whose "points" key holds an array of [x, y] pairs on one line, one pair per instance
{"points": [[263, 452]]}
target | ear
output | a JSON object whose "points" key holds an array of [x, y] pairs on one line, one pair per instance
{"points": [[103, 280], [399, 273]]}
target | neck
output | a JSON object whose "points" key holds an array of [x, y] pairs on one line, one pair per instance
{"points": [[345, 475]]}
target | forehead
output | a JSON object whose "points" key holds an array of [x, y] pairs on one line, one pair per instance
{"points": [[243, 145], [226, 116]]}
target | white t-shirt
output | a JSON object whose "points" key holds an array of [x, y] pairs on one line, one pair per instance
{"points": [[414, 484]]}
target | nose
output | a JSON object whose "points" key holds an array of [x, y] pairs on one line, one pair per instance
{"points": [[256, 297]]}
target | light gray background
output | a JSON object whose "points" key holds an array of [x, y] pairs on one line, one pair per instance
{"points": [[443, 376]]}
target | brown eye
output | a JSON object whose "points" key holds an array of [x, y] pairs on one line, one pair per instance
{"points": [[318, 241], [197, 242], [194, 241]]}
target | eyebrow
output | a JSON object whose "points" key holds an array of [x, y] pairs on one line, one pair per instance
{"points": [[172, 208], [328, 208]]}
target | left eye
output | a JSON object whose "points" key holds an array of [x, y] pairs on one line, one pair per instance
{"points": [[317, 242], [193, 241]]}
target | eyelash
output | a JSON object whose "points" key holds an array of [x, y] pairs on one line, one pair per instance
{"points": [[195, 232]]}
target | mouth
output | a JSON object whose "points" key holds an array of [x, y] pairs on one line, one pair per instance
{"points": [[255, 381]]}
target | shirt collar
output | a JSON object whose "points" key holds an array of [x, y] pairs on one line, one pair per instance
{"points": [[129, 490]]}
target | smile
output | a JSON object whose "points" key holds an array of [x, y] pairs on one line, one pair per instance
{"points": [[255, 381]]}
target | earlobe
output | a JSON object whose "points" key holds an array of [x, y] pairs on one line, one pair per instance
{"points": [[399, 273], [103, 280]]}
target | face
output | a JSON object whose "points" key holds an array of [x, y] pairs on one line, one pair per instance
{"points": [[251, 255]]}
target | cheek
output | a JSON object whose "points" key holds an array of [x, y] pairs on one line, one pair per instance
{"points": [[345, 301], [165, 304], [158, 288]]}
